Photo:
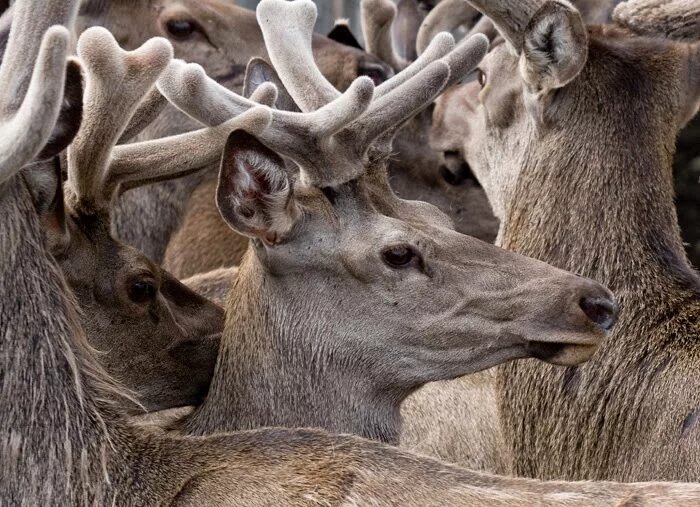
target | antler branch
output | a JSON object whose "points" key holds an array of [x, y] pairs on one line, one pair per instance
{"points": [[445, 17], [32, 77]]}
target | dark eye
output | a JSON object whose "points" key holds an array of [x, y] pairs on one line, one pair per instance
{"points": [[142, 291], [181, 28], [481, 77], [400, 256]]}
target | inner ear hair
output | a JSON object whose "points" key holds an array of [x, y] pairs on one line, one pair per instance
{"points": [[555, 48]]}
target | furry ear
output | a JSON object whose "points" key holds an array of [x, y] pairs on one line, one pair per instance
{"points": [[45, 182], [70, 116], [341, 33], [555, 49], [255, 195], [259, 72]]}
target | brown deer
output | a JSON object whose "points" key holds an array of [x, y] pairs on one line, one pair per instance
{"points": [[571, 130], [66, 445], [155, 335]]}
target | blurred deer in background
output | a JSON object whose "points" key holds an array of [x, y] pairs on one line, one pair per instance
{"points": [[571, 130]]}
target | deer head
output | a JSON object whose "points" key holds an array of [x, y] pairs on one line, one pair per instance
{"points": [[340, 265], [155, 335], [551, 92]]}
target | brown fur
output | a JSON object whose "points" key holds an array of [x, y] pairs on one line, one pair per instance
{"points": [[64, 445], [590, 190]]}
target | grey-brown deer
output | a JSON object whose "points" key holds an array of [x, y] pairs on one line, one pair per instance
{"points": [[349, 298], [66, 445], [571, 130]]}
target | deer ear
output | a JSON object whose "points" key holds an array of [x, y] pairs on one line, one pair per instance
{"points": [[255, 195], [341, 33], [555, 49]]}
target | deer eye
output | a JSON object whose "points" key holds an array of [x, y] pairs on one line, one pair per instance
{"points": [[400, 256], [481, 77], [181, 28], [142, 291]]}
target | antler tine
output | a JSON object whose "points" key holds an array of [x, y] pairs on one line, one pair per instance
{"points": [[377, 19], [31, 20], [389, 111], [676, 19], [24, 133], [445, 17], [32, 76], [265, 94], [287, 29], [188, 88], [306, 138], [147, 111], [116, 83]]}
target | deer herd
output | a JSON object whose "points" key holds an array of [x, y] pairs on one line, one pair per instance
{"points": [[242, 263]]}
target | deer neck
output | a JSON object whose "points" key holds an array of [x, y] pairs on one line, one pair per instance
{"points": [[604, 208], [278, 366], [53, 439]]}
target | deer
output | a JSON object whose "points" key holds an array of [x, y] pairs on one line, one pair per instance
{"points": [[66, 441], [543, 130], [306, 235]]}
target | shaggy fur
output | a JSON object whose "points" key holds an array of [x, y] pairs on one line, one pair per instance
{"points": [[570, 192]]}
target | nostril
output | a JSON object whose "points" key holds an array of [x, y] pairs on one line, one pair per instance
{"points": [[602, 311]]}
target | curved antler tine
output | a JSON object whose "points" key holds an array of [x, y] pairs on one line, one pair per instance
{"points": [[445, 17], [337, 115], [287, 29], [147, 111], [137, 164], [466, 56], [388, 112], [188, 87], [441, 45], [676, 19], [377, 20], [31, 20], [24, 135], [116, 83]]}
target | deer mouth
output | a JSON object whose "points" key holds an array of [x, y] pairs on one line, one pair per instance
{"points": [[561, 354]]}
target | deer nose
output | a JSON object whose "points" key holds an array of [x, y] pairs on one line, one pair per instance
{"points": [[602, 311]]}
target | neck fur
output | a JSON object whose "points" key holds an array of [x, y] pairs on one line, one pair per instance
{"points": [[54, 439], [279, 366]]}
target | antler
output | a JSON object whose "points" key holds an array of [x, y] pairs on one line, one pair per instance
{"points": [[330, 138], [445, 17], [677, 19], [32, 76], [119, 88], [397, 100]]}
